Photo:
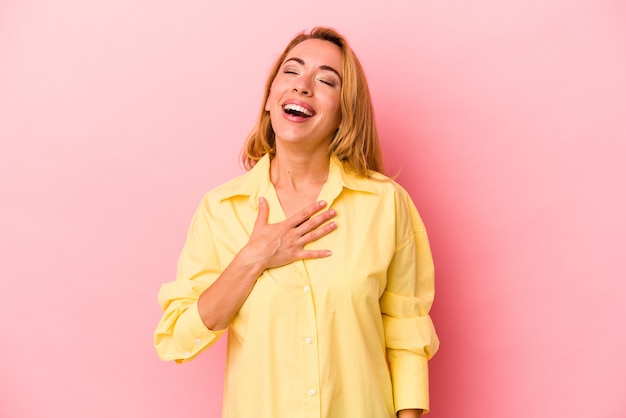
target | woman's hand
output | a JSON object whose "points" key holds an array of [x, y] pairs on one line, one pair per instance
{"points": [[274, 245], [270, 245]]}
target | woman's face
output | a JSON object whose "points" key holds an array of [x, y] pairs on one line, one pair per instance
{"points": [[305, 96]]}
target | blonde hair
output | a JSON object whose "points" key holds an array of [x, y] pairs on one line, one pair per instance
{"points": [[356, 141]]}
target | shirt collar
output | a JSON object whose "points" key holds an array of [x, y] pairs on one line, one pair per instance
{"points": [[256, 182]]}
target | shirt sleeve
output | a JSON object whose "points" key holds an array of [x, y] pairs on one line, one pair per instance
{"points": [[410, 336], [181, 335]]}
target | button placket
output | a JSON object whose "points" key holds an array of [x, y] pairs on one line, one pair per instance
{"points": [[309, 348]]}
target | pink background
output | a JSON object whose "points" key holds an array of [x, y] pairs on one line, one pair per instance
{"points": [[506, 119]]}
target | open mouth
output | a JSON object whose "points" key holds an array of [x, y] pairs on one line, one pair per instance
{"points": [[297, 110]]}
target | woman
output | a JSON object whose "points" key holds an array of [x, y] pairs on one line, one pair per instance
{"points": [[318, 265]]}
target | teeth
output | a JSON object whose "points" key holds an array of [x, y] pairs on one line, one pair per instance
{"points": [[298, 108]]}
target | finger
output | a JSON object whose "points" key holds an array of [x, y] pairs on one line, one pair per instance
{"points": [[317, 233], [308, 254], [262, 215], [305, 214], [314, 222]]}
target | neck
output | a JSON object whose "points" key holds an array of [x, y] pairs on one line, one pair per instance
{"points": [[294, 172]]}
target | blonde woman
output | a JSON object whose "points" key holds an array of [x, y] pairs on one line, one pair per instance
{"points": [[316, 263]]}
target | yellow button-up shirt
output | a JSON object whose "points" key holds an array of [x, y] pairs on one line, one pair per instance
{"points": [[338, 337]]}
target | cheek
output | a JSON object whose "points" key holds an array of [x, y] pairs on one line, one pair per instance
{"points": [[338, 112]]}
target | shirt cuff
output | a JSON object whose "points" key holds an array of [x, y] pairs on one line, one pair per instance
{"points": [[409, 377], [193, 336]]}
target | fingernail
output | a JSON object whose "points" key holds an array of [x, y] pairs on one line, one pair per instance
{"points": [[322, 203], [329, 253]]}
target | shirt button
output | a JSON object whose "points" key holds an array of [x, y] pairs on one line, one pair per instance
{"points": [[187, 353], [311, 392], [198, 341], [307, 288], [308, 340]]}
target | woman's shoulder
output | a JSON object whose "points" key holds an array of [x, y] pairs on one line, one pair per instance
{"points": [[386, 185]]}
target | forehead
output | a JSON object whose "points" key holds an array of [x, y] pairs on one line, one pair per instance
{"points": [[317, 52]]}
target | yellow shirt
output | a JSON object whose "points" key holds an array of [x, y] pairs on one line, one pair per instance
{"points": [[343, 336]]}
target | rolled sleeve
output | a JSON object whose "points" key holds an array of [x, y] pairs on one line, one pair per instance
{"points": [[181, 334], [410, 335]]}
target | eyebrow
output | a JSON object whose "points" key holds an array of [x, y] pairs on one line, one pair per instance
{"points": [[321, 67]]}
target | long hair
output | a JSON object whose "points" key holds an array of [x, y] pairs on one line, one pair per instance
{"points": [[356, 141]]}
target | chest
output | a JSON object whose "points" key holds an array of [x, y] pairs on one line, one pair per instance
{"points": [[293, 201], [362, 247]]}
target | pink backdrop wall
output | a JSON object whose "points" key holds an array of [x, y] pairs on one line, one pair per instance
{"points": [[506, 119]]}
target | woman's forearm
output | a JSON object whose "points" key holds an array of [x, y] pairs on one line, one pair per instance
{"points": [[219, 303]]}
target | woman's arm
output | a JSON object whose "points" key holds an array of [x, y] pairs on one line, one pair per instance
{"points": [[410, 336], [270, 245]]}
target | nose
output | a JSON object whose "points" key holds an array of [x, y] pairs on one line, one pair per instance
{"points": [[302, 86], [300, 90]]}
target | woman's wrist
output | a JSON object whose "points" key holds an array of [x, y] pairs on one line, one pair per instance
{"points": [[410, 413], [248, 261]]}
